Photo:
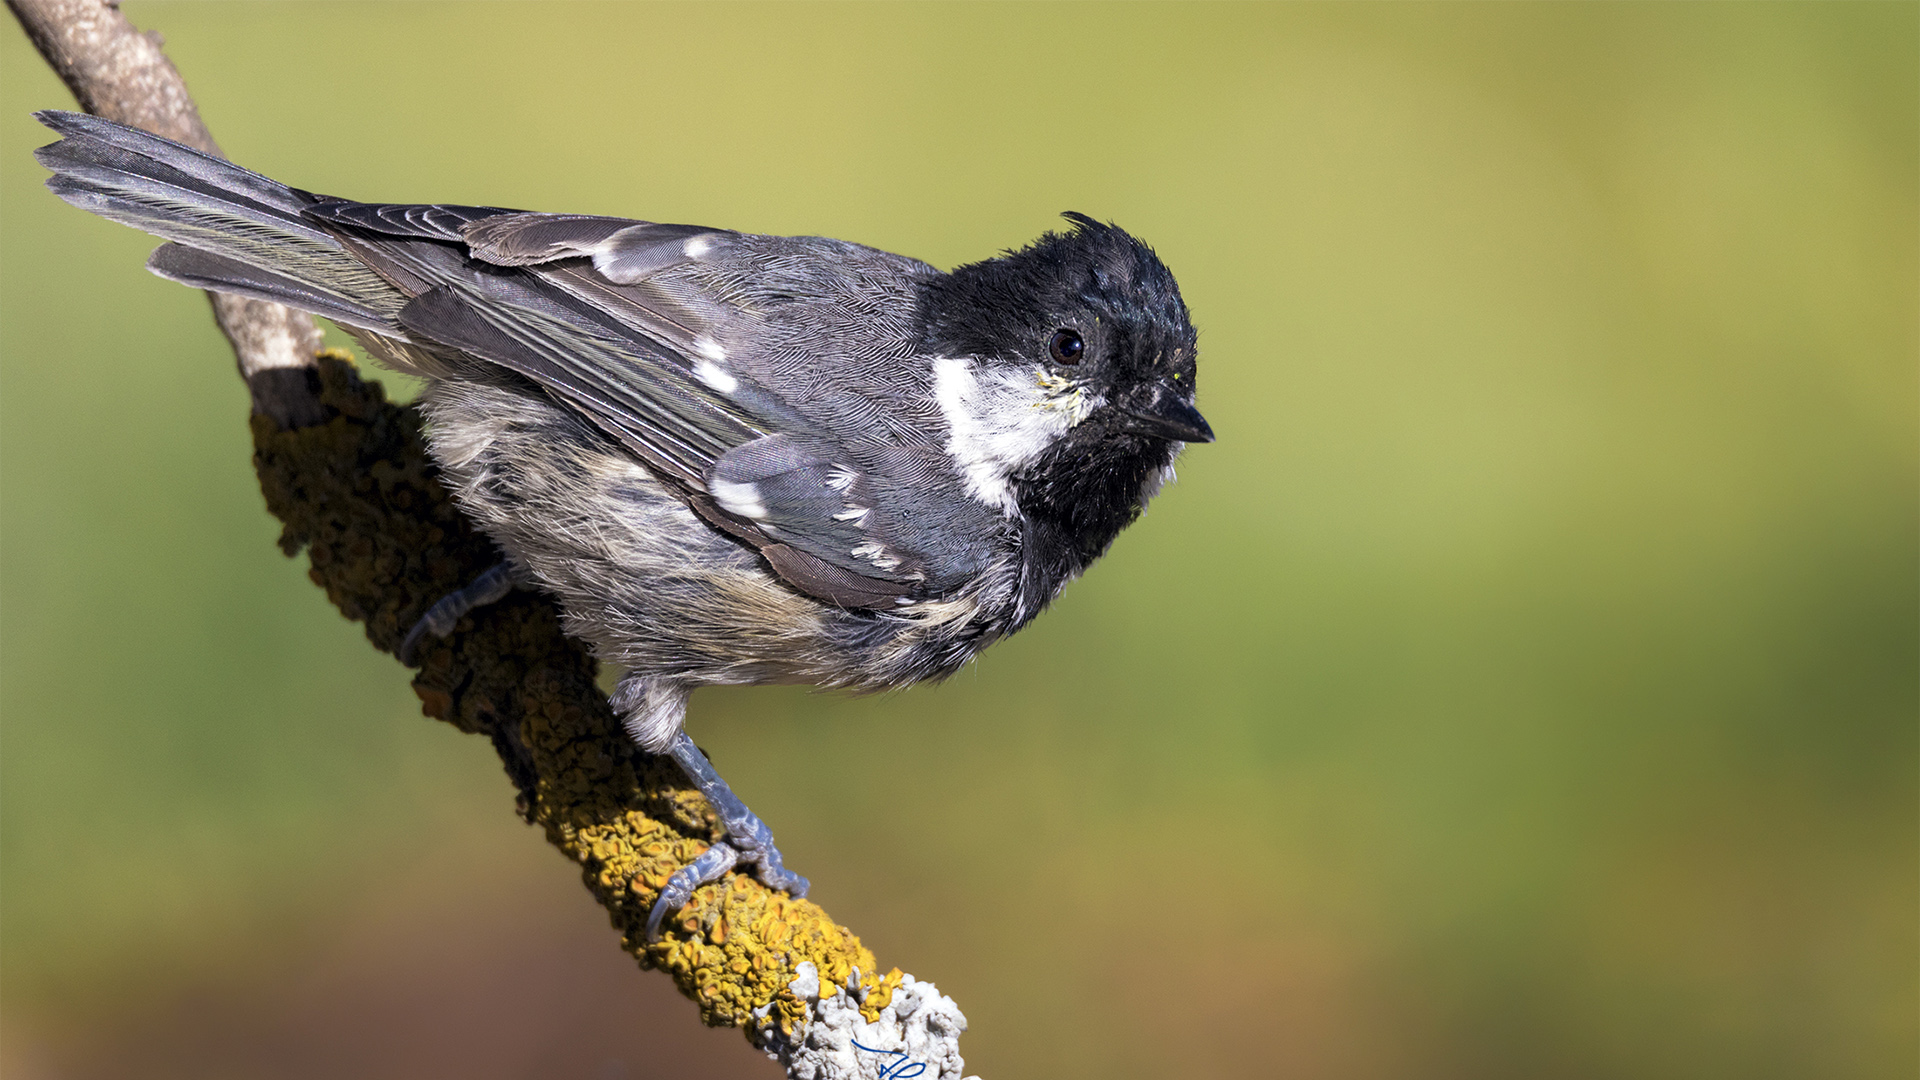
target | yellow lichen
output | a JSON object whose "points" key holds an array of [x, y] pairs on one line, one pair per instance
{"points": [[384, 540]]}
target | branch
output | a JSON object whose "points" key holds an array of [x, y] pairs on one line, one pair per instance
{"points": [[348, 475], [385, 540], [118, 72]]}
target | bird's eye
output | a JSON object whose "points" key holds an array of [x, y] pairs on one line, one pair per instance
{"points": [[1066, 347]]}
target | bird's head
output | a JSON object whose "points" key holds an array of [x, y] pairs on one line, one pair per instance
{"points": [[1065, 372]]}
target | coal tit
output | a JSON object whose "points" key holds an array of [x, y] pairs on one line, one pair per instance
{"points": [[731, 458]]}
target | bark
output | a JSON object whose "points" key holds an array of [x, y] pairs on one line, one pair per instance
{"points": [[118, 72]]}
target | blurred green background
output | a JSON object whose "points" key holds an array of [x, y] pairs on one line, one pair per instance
{"points": [[1523, 686]]}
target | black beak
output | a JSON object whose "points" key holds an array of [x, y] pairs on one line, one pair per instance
{"points": [[1163, 413]]}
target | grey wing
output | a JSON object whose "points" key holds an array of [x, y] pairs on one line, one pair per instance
{"points": [[568, 301]]}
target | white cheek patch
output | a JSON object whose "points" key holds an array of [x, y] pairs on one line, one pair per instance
{"points": [[1000, 421]]}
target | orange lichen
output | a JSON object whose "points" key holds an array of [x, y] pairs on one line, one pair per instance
{"points": [[359, 493]]}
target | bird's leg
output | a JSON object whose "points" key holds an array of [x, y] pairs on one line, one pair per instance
{"points": [[651, 708], [493, 584], [748, 840]]}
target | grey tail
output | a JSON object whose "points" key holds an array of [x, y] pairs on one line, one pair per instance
{"points": [[233, 231]]}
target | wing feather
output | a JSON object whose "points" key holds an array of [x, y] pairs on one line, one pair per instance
{"points": [[569, 302], [585, 371]]}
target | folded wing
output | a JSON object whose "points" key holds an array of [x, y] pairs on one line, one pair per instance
{"points": [[568, 301]]}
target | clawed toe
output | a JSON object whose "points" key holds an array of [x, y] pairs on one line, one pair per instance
{"points": [[496, 582], [712, 865], [410, 645], [748, 840]]}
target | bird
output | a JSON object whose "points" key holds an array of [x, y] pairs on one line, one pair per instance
{"points": [[730, 458]]}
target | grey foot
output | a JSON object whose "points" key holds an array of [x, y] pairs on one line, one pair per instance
{"points": [[748, 840], [492, 585]]}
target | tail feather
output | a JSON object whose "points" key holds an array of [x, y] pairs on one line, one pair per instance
{"points": [[219, 273], [248, 233], [115, 144]]}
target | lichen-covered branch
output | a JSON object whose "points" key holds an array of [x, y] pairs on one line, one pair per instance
{"points": [[385, 540], [348, 475]]}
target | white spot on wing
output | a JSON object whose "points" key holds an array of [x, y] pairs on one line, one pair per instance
{"points": [[742, 499], [696, 246], [840, 478], [876, 553], [709, 348], [715, 376]]}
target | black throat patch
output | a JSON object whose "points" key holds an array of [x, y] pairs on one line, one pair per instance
{"points": [[1076, 498]]}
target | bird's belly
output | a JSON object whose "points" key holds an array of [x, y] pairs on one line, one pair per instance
{"points": [[638, 575]]}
